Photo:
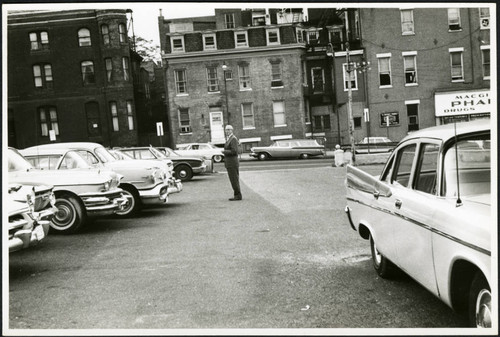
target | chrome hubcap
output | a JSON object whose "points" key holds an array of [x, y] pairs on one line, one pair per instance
{"points": [[483, 309], [65, 215], [130, 203]]}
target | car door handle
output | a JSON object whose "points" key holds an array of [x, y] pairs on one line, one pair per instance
{"points": [[398, 203]]}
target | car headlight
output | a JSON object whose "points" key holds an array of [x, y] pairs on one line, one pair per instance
{"points": [[30, 198], [107, 184]]}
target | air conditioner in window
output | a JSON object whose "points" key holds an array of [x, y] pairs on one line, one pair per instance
{"points": [[485, 23]]}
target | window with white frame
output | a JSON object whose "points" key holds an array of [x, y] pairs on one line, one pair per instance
{"points": [[454, 19], [318, 79], [244, 76], [241, 38], [350, 75], [114, 116], [184, 121], [42, 75], [209, 42], [485, 53], [247, 116], [122, 31], [484, 18], [105, 35], [108, 63], [212, 79], [48, 120], [300, 35], [125, 68], [130, 115], [279, 113], [39, 40], [321, 122], [410, 67], [177, 44], [229, 20], [180, 81], [312, 36], [407, 24], [88, 74], [84, 37], [384, 70], [273, 36], [276, 80], [456, 60]]}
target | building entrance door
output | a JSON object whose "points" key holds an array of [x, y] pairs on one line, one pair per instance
{"points": [[217, 127]]}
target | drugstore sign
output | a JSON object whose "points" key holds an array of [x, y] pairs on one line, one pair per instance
{"points": [[462, 103]]}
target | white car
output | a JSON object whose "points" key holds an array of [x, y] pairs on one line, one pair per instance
{"points": [[428, 214], [206, 150]]}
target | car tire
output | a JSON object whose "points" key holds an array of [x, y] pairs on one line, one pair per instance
{"points": [[381, 264], [217, 158], [262, 156], [134, 201], [71, 215], [304, 156], [479, 302], [183, 172]]}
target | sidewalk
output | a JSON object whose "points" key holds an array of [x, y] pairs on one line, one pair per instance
{"points": [[361, 159]]}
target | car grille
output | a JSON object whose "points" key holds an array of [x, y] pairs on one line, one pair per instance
{"points": [[16, 222]]}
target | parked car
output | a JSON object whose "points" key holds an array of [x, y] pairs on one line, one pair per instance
{"points": [[30, 209], [428, 214], [207, 150], [375, 145], [289, 148], [120, 155], [184, 166], [79, 195], [144, 181]]}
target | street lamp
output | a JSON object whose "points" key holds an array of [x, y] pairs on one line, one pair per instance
{"points": [[224, 69]]}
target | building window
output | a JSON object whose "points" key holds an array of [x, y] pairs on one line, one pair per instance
{"points": [[122, 30], [39, 40], [351, 75], [484, 18], [456, 59], [276, 80], [410, 68], [229, 20], [244, 75], [84, 37], [126, 68], [384, 71], [300, 35], [177, 44], [114, 116], [42, 74], [357, 122], [109, 68], [318, 79], [407, 24], [247, 116], [241, 39], [412, 111], [88, 74], [321, 122], [105, 35], [313, 37], [454, 19], [48, 120], [485, 51], [130, 115], [184, 122], [209, 42], [212, 79], [228, 74], [273, 36], [180, 81], [279, 113]]}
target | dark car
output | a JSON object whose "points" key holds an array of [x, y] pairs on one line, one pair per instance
{"points": [[184, 166]]}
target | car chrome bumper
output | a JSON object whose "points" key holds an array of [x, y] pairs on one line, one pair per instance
{"points": [[156, 195], [200, 169], [174, 186], [347, 210], [105, 204], [25, 238]]}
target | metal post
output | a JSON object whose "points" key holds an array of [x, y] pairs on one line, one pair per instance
{"points": [[349, 105], [224, 68]]}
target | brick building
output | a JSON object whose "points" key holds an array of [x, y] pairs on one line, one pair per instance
{"points": [[70, 78]]}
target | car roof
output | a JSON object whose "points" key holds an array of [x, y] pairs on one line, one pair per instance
{"points": [[67, 145], [43, 151], [447, 131]]}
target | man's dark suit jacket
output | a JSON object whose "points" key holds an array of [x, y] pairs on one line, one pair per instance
{"points": [[231, 152]]}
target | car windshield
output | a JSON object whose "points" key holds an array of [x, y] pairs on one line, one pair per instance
{"points": [[121, 155], [17, 162], [158, 154], [73, 160], [170, 153], [104, 155], [474, 168]]}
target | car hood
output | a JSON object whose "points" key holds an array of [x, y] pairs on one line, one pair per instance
{"points": [[136, 164], [16, 207], [59, 177], [483, 199], [184, 158]]}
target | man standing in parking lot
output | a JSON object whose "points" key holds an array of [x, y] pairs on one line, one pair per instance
{"points": [[231, 162]]}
